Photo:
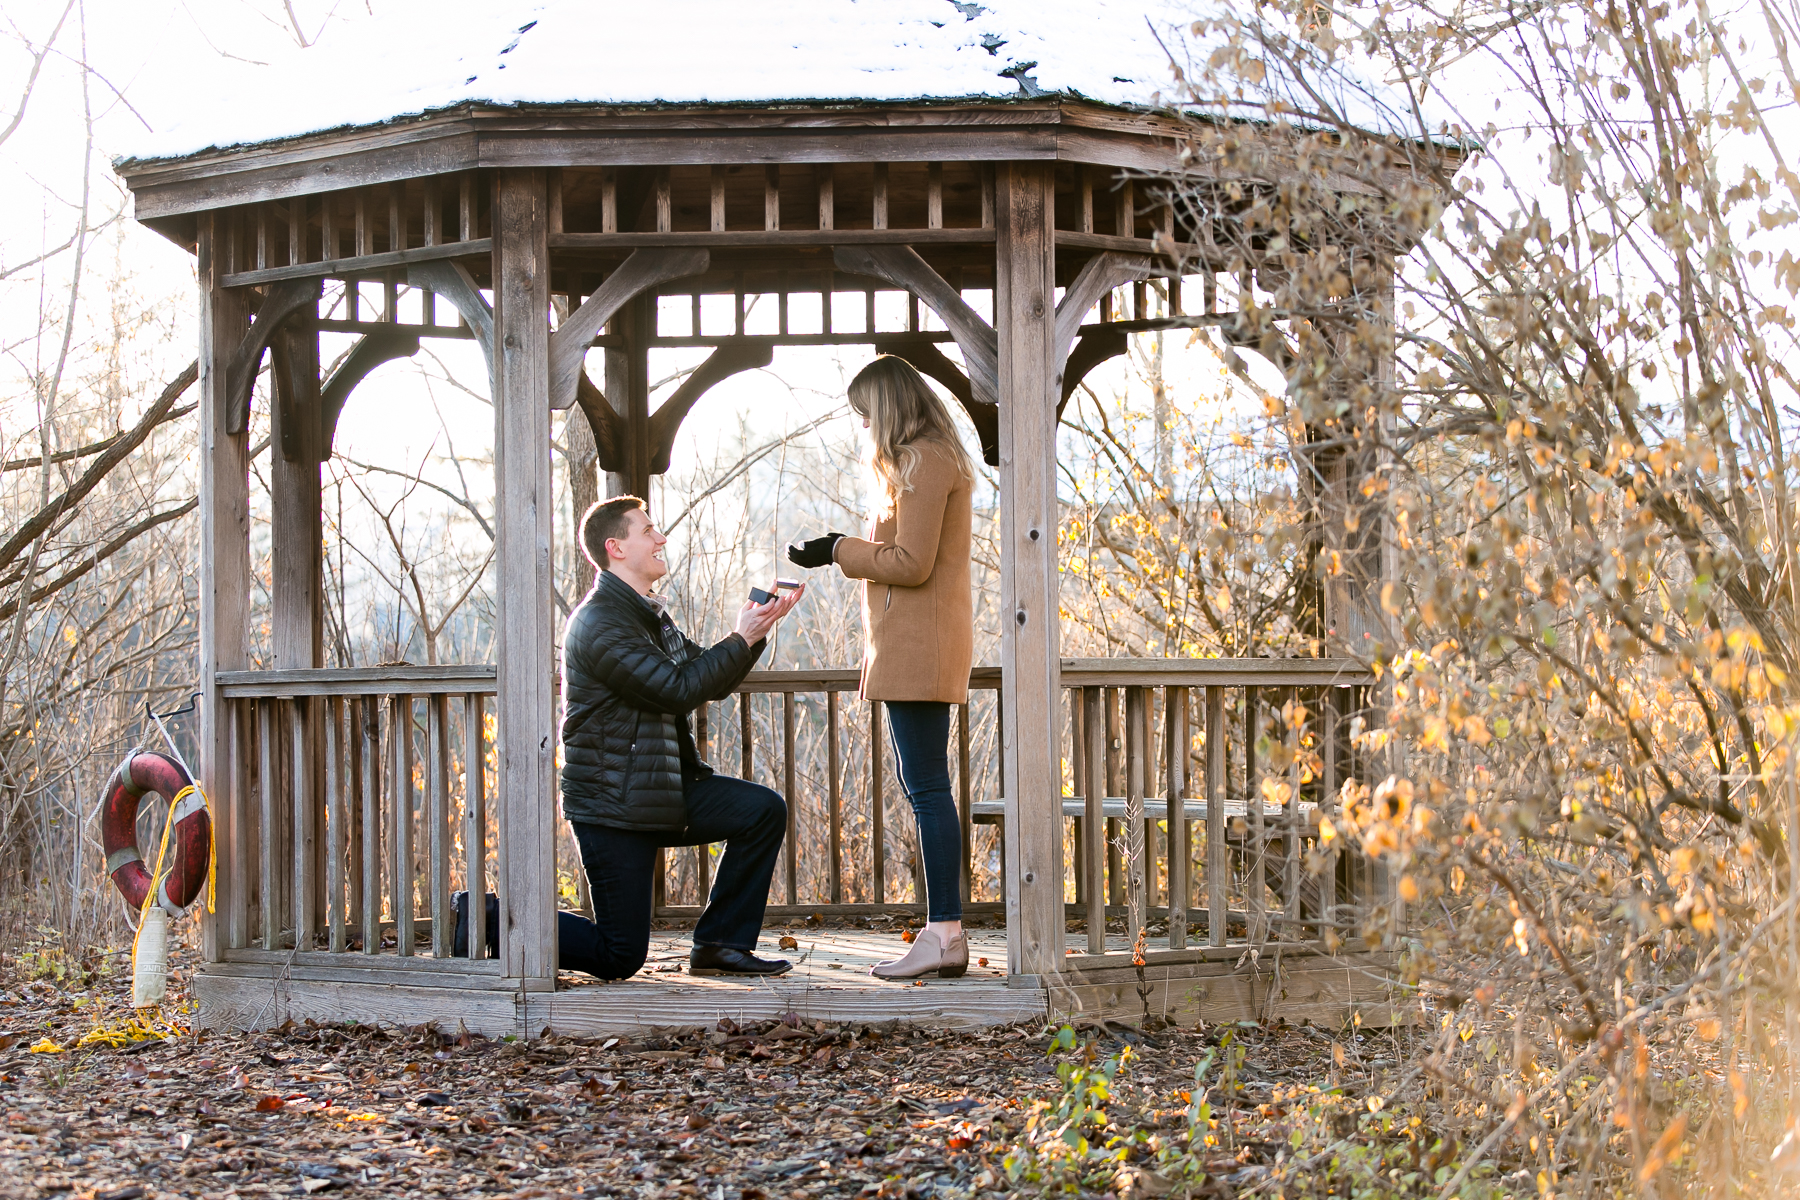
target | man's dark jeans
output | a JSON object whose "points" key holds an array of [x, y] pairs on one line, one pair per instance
{"points": [[750, 819]]}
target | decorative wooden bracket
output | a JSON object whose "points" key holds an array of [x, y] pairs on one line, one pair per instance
{"points": [[452, 281], [280, 302], [608, 426], [643, 270], [370, 351], [1093, 348], [728, 360], [1100, 275], [902, 267], [929, 361]]}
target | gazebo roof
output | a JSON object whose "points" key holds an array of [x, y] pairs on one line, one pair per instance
{"points": [[427, 56]]}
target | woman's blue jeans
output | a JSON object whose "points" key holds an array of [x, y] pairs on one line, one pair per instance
{"points": [[921, 733]]}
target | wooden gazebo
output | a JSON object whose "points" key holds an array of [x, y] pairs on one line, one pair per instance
{"points": [[545, 231]]}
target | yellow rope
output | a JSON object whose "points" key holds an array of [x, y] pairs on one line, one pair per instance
{"points": [[155, 873], [212, 839]]}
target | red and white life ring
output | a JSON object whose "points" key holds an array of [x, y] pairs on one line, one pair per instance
{"points": [[143, 772]]}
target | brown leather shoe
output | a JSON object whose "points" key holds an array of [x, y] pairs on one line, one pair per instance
{"points": [[925, 956]]}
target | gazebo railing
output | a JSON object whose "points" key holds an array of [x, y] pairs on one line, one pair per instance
{"points": [[1192, 800], [357, 802], [1266, 750], [1207, 779], [847, 849]]}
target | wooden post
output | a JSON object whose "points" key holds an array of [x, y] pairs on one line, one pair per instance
{"points": [[1030, 669], [224, 580], [296, 603], [524, 629], [628, 391]]}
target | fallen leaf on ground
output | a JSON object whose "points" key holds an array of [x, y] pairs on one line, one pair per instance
{"points": [[270, 1104]]}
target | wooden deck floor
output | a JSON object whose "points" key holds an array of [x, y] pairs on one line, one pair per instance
{"points": [[830, 982]]}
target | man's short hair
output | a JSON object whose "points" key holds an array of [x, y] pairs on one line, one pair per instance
{"points": [[605, 520]]}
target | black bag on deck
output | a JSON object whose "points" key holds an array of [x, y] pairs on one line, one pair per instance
{"points": [[577, 938]]}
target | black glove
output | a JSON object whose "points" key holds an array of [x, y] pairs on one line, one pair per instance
{"points": [[814, 552]]}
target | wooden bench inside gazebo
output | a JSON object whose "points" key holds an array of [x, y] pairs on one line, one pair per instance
{"points": [[351, 802]]}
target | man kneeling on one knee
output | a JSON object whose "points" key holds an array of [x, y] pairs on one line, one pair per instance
{"points": [[632, 780]]}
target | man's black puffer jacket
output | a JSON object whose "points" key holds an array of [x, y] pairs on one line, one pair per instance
{"points": [[630, 679]]}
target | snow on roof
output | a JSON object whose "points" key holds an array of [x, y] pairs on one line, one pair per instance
{"points": [[419, 56]]}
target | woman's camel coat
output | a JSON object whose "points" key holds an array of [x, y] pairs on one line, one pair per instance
{"points": [[918, 611]]}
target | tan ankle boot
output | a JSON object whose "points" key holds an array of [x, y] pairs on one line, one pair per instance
{"points": [[926, 955]]}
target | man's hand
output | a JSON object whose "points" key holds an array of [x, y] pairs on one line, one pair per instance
{"points": [[755, 620]]}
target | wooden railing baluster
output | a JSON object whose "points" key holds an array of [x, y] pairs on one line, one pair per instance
{"points": [[1257, 850], [475, 822], [1078, 787], [330, 711], [1136, 858], [1217, 863], [301, 810], [1175, 750], [1291, 818], [746, 737], [266, 771], [371, 823], [877, 818], [703, 854], [1328, 780], [792, 797], [1115, 786], [1093, 723], [400, 758], [1147, 751], [437, 740], [834, 799], [964, 800], [236, 883], [353, 814]]}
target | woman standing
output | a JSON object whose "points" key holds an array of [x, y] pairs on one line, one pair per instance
{"points": [[918, 624]]}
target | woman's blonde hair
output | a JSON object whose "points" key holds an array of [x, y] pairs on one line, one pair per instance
{"points": [[902, 411]]}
